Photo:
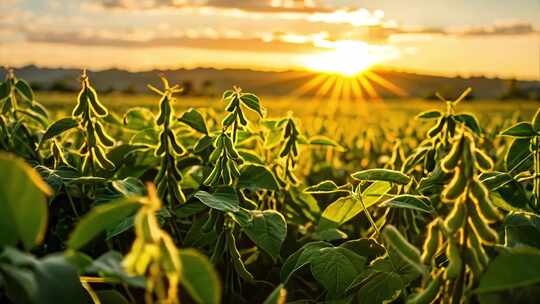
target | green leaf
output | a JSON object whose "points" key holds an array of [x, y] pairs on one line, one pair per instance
{"points": [[139, 119], [536, 121], [336, 268], [520, 130], [377, 287], [412, 202], [522, 229], [278, 296], [195, 120], [252, 102], [470, 121], [101, 218], [23, 207], [300, 258], [267, 229], [324, 141], [129, 186], [382, 175], [24, 89], [58, 127], [432, 114], [199, 277], [109, 265], [511, 269], [4, 90], [518, 158], [345, 208], [257, 177], [224, 199], [326, 186], [111, 296]]}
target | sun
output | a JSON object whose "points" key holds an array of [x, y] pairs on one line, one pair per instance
{"points": [[347, 58]]}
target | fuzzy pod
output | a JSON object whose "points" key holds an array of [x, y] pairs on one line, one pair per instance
{"points": [[285, 149], [237, 258], [82, 104], [229, 147], [469, 162], [225, 172], [174, 144], [481, 227], [430, 293], [483, 162], [90, 134], [214, 175], [457, 186], [229, 119], [86, 164], [480, 196], [233, 168], [456, 219], [164, 111], [455, 263], [58, 155], [472, 260], [162, 145], [233, 104], [437, 128], [393, 237], [218, 149], [103, 137], [241, 116], [452, 158], [475, 244], [210, 221], [176, 192], [98, 108], [102, 160], [432, 242], [162, 188]]}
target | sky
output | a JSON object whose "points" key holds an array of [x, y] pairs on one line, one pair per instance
{"points": [[461, 37]]}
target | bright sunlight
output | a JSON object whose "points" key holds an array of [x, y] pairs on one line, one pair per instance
{"points": [[347, 58]]}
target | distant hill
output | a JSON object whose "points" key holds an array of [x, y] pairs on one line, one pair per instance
{"points": [[207, 81]]}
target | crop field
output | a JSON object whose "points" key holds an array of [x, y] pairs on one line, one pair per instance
{"points": [[242, 198]]}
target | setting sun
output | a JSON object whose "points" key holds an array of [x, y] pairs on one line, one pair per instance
{"points": [[347, 58]]}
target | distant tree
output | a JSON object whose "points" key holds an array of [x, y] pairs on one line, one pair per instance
{"points": [[37, 86], [208, 88], [129, 90], [187, 87], [513, 91], [61, 86]]}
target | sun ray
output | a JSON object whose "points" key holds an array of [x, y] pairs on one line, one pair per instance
{"points": [[347, 89], [370, 90], [327, 85], [386, 84], [357, 90], [310, 85]]}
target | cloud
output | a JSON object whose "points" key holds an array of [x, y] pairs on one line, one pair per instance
{"points": [[500, 28]]}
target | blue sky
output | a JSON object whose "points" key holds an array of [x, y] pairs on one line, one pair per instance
{"points": [[491, 37]]}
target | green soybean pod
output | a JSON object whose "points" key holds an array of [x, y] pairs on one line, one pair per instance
{"points": [[213, 177], [225, 172], [162, 145], [451, 160], [456, 219], [483, 162], [90, 133], [393, 237], [241, 116], [82, 104], [174, 188], [102, 159], [103, 137], [430, 293], [455, 263], [237, 258], [474, 244], [86, 164], [233, 168], [473, 262], [163, 113], [480, 225], [431, 244], [99, 109], [457, 185], [174, 144], [437, 128], [162, 188], [480, 196]]}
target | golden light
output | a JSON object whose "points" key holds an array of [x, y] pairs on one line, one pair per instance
{"points": [[347, 58], [345, 73]]}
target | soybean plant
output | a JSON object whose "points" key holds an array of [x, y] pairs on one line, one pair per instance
{"points": [[464, 231], [89, 111], [169, 176]]}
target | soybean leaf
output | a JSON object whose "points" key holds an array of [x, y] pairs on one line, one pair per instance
{"points": [[301, 258], [520, 130], [368, 248], [523, 263], [470, 121], [23, 208], [195, 120], [111, 296], [252, 102], [335, 268], [536, 121], [101, 218], [324, 141], [199, 277], [109, 265], [277, 296], [432, 114], [522, 229], [518, 158], [129, 186], [139, 119], [377, 286], [257, 177], [382, 175], [326, 186], [224, 199], [267, 229], [4, 90], [407, 201], [24, 89], [58, 127]]}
